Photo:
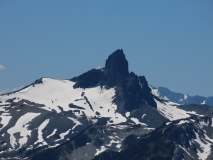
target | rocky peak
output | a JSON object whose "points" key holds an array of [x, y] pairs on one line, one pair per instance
{"points": [[116, 68], [117, 63], [131, 91], [144, 84]]}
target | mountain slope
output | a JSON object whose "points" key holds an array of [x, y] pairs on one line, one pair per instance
{"points": [[91, 142], [182, 139]]}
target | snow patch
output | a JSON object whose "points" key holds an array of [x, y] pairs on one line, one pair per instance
{"points": [[40, 134], [204, 102], [54, 131], [127, 114], [21, 126], [5, 118], [168, 123], [75, 121], [182, 122], [118, 146], [143, 116], [170, 111], [53, 93], [62, 135], [155, 92], [206, 148], [165, 98], [98, 151], [136, 121]]}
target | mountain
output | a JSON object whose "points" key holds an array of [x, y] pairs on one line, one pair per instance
{"points": [[180, 98], [101, 113], [181, 139]]}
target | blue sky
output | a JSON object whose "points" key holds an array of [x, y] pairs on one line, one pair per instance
{"points": [[170, 42]]}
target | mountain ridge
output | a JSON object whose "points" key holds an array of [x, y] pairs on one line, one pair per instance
{"points": [[165, 93]]}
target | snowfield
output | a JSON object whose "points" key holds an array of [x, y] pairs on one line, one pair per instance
{"points": [[95, 102], [171, 112]]}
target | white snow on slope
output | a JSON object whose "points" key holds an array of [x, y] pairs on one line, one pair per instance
{"points": [[182, 122], [53, 93], [202, 123], [114, 140], [77, 123], [168, 123], [205, 146], [5, 118], [98, 151], [136, 121], [127, 114], [2, 108], [143, 116], [40, 133], [22, 127], [154, 91], [165, 98], [170, 111], [62, 135], [54, 131], [204, 102], [205, 142]]}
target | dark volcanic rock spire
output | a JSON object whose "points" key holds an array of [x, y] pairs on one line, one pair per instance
{"points": [[117, 63], [116, 68], [131, 91]]}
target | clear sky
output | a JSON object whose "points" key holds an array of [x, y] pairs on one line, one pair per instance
{"points": [[170, 42]]}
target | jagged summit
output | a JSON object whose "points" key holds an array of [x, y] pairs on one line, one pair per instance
{"points": [[116, 69], [117, 63], [131, 91]]}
